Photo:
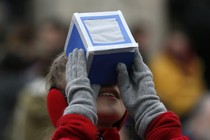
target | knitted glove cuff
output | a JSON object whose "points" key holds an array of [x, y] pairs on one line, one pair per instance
{"points": [[81, 99], [145, 114]]}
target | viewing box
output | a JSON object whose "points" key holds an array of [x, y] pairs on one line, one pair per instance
{"points": [[106, 40]]}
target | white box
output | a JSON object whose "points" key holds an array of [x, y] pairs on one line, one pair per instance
{"points": [[106, 39]]}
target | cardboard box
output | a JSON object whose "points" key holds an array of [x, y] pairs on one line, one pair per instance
{"points": [[106, 39]]}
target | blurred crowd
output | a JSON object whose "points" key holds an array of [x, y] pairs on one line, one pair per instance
{"points": [[27, 51], [180, 69]]}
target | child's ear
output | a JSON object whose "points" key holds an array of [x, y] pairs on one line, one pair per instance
{"points": [[56, 103]]}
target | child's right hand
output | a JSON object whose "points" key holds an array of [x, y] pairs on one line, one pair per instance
{"points": [[80, 96], [138, 93]]}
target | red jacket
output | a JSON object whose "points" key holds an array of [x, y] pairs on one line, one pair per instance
{"points": [[166, 126]]}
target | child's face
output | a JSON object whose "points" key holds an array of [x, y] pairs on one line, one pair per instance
{"points": [[110, 107]]}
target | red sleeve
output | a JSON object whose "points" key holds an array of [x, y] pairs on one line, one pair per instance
{"points": [[75, 127], [166, 126]]}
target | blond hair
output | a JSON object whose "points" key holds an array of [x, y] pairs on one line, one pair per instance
{"points": [[57, 73]]}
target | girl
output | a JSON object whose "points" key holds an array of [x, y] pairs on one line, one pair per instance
{"points": [[97, 112], [111, 112]]}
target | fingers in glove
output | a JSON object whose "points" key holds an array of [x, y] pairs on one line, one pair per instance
{"points": [[96, 88], [74, 63], [139, 65], [137, 61], [82, 66], [69, 68], [123, 76]]}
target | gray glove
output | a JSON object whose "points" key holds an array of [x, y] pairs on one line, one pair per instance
{"points": [[138, 93], [80, 96]]}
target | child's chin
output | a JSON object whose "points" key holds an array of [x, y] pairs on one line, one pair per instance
{"points": [[108, 117], [105, 122]]}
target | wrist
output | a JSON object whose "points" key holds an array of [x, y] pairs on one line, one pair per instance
{"points": [[86, 111], [144, 115], [81, 99], [76, 86]]}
